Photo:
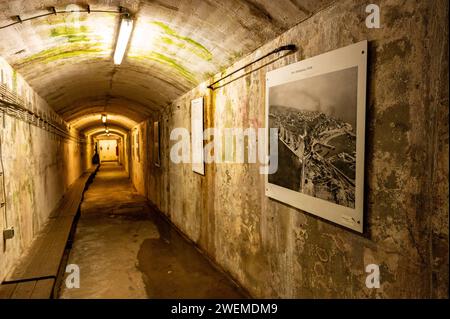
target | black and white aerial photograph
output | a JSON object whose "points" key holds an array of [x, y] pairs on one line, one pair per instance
{"points": [[317, 106], [316, 121]]}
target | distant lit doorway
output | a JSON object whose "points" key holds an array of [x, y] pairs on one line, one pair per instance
{"points": [[108, 151]]}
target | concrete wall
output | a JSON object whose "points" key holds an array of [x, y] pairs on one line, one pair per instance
{"points": [[157, 180], [38, 166], [274, 250], [148, 177]]}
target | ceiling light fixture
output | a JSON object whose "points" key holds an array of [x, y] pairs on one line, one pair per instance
{"points": [[107, 130], [126, 27], [104, 118]]}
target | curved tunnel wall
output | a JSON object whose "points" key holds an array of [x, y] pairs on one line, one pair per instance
{"points": [[277, 251], [273, 250], [39, 166], [122, 144], [90, 126]]}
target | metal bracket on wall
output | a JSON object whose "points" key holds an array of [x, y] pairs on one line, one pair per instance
{"points": [[290, 48]]}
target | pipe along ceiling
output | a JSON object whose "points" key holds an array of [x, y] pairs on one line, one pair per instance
{"points": [[66, 53]]}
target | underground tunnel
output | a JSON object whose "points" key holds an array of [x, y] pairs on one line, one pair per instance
{"points": [[240, 149]]}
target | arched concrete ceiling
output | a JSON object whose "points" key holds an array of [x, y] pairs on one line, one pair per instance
{"points": [[106, 137], [92, 132], [67, 58], [84, 123], [128, 108]]}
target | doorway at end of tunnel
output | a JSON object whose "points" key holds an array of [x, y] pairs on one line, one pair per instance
{"points": [[108, 150]]}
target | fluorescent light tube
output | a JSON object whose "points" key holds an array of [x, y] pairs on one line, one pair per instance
{"points": [[126, 27]]}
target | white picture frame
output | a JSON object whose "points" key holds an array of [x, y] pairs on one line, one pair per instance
{"points": [[319, 107], [156, 144], [198, 165], [137, 147]]}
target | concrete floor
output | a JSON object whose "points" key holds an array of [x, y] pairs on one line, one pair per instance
{"points": [[126, 250]]}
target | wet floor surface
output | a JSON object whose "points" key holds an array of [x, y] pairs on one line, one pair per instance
{"points": [[124, 249]]}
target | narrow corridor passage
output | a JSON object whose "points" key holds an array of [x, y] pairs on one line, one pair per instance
{"points": [[258, 149], [126, 250]]}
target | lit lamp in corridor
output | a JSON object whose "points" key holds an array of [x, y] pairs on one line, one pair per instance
{"points": [[104, 118], [126, 27]]}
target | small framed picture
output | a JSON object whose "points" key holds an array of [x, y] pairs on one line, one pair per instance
{"points": [[137, 146], [156, 145], [198, 165]]}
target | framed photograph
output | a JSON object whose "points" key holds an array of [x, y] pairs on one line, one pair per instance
{"points": [[198, 165], [137, 146], [156, 145], [319, 106]]}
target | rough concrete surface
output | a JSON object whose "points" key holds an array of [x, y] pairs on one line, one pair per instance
{"points": [[39, 166], [271, 249], [274, 250]]}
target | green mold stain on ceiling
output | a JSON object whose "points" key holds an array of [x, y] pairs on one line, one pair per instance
{"points": [[76, 42], [76, 39], [73, 34], [165, 43], [171, 37], [62, 52], [170, 62]]}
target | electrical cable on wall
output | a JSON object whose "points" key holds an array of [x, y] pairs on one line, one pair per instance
{"points": [[12, 106], [2, 185], [8, 231]]}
